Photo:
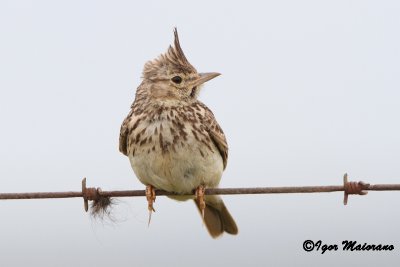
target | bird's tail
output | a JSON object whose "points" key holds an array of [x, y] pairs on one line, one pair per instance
{"points": [[217, 217]]}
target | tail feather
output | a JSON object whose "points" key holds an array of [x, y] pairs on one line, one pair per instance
{"points": [[217, 217]]}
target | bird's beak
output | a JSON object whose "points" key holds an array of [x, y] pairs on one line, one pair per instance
{"points": [[204, 77]]}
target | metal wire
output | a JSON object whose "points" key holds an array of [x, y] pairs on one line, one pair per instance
{"points": [[91, 193]]}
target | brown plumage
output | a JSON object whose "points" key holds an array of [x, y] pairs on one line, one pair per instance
{"points": [[173, 141]]}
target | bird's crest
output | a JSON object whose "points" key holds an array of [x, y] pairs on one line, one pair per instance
{"points": [[174, 60]]}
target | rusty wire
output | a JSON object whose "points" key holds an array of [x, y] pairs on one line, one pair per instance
{"points": [[91, 193]]}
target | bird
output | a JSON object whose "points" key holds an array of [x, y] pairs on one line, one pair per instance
{"points": [[173, 141]]}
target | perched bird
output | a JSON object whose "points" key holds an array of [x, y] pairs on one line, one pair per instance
{"points": [[173, 140]]}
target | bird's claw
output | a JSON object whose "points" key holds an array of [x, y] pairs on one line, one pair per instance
{"points": [[200, 193], [151, 198]]}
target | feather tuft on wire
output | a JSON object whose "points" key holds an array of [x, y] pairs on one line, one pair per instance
{"points": [[101, 208]]}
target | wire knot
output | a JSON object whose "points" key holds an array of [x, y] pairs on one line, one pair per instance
{"points": [[89, 193], [353, 188]]}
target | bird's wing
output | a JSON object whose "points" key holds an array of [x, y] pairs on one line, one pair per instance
{"points": [[216, 134], [123, 134], [132, 120]]}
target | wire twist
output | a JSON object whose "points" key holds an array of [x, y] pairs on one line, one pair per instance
{"points": [[353, 188], [89, 193]]}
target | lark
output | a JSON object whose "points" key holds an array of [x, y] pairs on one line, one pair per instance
{"points": [[173, 140]]}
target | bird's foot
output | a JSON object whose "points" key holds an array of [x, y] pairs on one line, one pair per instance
{"points": [[200, 193], [151, 198]]}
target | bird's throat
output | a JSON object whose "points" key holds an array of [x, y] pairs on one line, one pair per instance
{"points": [[193, 93]]}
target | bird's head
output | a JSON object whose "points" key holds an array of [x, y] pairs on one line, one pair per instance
{"points": [[172, 78]]}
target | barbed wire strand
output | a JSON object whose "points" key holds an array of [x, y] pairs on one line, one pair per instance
{"points": [[92, 194]]}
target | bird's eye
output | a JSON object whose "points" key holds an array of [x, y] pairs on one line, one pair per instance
{"points": [[177, 79]]}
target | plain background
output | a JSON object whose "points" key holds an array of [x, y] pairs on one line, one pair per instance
{"points": [[309, 91]]}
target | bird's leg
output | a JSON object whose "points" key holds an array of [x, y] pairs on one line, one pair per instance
{"points": [[200, 199], [151, 198]]}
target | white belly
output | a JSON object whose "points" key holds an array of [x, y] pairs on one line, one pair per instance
{"points": [[180, 170]]}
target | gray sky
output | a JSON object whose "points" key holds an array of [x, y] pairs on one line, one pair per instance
{"points": [[309, 91]]}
